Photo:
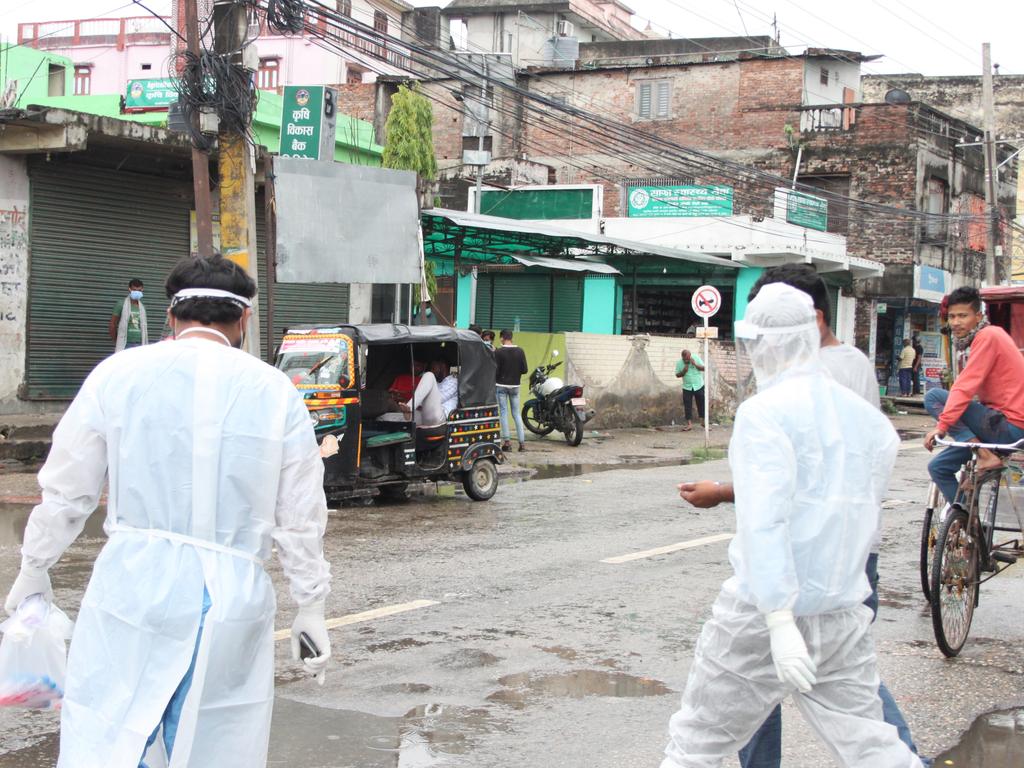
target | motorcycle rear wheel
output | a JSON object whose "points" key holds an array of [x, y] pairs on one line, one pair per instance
{"points": [[574, 431], [532, 423]]}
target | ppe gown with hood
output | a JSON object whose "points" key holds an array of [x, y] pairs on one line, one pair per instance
{"points": [[212, 460], [810, 462]]}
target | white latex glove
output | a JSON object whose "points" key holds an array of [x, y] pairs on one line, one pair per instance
{"points": [[310, 619], [30, 581], [793, 664]]}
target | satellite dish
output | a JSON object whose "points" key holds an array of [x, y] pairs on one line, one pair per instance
{"points": [[897, 96]]}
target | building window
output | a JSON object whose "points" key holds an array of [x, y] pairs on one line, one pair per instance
{"points": [[146, 67], [267, 74], [653, 99], [345, 7], [380, 22], [936, 204], [83, 79], [353, 76], [823, 78]]}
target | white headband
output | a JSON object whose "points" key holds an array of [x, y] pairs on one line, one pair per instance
{"points": [[210, 293]]}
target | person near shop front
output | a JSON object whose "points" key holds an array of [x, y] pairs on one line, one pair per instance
{"points": [[918, 360], [212, 464], [511, 367], [985, 403], [690, 368], [906, 371], [128, 320], [810, 462], [849, 367]]}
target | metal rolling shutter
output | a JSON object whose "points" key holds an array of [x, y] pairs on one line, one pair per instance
{"points": [[526, 297], [91, 230], [568, 315], [296, 303]]}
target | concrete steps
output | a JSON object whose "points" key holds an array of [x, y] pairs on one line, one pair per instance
{"points": [[26, 438]]}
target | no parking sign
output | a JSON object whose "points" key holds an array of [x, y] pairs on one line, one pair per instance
{"points": [[706, 301]]}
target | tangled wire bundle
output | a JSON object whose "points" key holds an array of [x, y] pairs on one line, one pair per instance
{"points": [[286, 16], [209, 82]]}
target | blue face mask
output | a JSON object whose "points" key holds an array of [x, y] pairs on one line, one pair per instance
{"points": [[134, 295]]}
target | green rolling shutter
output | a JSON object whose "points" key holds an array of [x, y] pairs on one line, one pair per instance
{"points": [[90, 231], [568, 315], [501, 297]]}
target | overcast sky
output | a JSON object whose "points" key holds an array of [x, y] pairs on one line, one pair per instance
{"points": [[936, 37]]}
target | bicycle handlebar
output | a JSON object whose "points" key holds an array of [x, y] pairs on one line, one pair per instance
{"points": [[1017, 446]]}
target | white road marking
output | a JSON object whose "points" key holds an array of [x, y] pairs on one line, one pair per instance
{"points": [[358, 618], [670, 548]]}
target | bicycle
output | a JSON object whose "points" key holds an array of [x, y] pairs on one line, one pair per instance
{"points": [[933, 517], [965, 553]]}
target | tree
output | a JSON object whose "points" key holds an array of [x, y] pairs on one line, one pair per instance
{"points": [[409, 145]]}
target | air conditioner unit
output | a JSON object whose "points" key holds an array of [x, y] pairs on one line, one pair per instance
{"points": [[564, 28]]}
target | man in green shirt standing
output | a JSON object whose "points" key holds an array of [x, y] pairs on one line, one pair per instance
{"points": [[128, 320], [691, 370]]}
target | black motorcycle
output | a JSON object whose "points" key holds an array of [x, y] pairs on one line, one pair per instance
{"points": [[556, 405]]}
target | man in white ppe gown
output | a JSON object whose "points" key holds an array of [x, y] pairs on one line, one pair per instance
{"points": [[212, 461], [810, 462]]}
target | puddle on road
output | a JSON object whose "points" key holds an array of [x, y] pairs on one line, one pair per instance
{"points": [[556, 471], [910, 434], [42, 754], [575, 685], [13, 518], [996, 740]]}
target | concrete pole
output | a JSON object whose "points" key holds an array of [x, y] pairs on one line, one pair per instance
{"points": [[238, 201], [991, 172]]}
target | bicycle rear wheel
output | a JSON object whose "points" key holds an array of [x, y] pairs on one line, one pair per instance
{"points": [[954, 584]]}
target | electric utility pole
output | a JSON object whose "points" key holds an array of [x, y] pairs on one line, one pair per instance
{"points": [[200, 159], [235, 161], [991, 171]]}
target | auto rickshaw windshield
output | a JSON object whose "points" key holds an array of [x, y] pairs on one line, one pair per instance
{"points": [[317, 362]]}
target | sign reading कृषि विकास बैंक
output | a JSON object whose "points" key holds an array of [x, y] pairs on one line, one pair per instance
{"points": [[807, 211], [302, 121], [150, 95], [680, 201]]}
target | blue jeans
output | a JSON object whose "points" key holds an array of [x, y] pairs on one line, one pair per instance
{"points": [[906, 375], [508, 398], [978, 421], [172, 715], [765, 747]]}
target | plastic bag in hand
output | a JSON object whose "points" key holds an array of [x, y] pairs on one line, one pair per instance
{"points": [[33, 655]]}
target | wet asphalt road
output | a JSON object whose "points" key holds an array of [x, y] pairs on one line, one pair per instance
{"points": [[536, 653]]}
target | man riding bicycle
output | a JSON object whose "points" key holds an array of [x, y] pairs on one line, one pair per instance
{"points": [[994, 374]]}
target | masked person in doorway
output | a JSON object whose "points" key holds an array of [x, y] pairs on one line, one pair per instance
{"points": [[212, 463], [850, 367], [810, 463], [128, 320]]}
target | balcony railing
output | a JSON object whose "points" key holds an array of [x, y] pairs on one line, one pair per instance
{"points": [[827, 119], [133, 30]]}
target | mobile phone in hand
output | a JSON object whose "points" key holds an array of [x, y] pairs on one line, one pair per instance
{"points": [[307, 648]]}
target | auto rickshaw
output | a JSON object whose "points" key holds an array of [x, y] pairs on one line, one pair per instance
{"points": [[348, 375], [1004, 305]]}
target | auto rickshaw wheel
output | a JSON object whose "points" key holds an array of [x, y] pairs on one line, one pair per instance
{"points": [[481, 480], [395, 494]]}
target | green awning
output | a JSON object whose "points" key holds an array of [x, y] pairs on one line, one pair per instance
{"points": [[492, 239]]}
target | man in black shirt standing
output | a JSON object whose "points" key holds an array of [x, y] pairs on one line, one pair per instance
{"points": [[512, 367]]}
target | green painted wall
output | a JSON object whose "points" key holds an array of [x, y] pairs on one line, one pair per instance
{"points": [[745, 279], [599, 304], [538, 348], [31, 69], [463, 300]]}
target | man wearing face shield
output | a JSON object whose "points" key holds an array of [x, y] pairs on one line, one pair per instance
{"points": [[212, 463], [810, 462]]}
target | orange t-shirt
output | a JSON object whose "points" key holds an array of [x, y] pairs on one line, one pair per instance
{"points": [[994, 374]]}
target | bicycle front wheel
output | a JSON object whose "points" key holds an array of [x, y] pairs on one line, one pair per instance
{"points": [[954, 584], [929, 534]]}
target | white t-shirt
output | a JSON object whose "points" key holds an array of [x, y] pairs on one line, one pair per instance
{"points": [[851, 368]]}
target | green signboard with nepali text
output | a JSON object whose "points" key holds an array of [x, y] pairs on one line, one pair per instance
{"points": [[150, 95], [302, 121], [651, 202], [807, 211]]}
